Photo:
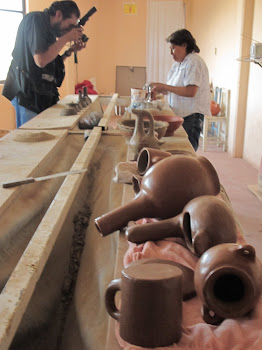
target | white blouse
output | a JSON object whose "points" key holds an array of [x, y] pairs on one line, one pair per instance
{"points": [[192, 71]]}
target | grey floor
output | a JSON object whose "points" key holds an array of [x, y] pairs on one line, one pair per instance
{"points": [[236, 174]]}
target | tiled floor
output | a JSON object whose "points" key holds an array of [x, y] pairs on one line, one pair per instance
{"points": [[235, 174]]}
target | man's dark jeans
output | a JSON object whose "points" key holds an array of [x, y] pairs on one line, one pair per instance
{"points": [[193, 126]]}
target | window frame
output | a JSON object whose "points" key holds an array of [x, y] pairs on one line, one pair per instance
{"points": [[23, 12]]}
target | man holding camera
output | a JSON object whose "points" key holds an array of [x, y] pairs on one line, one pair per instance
{"points": [[37, 69]]}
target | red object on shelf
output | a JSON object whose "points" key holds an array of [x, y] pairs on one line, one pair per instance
{"points": [[215, 108], [89, 86]]}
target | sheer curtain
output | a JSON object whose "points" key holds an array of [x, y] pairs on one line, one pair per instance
{"points": [[163, 18]]}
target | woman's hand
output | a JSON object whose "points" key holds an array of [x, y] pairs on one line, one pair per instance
{"points": [[158, 87]]}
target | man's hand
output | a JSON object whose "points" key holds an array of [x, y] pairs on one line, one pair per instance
{"points": [[77, 46], [74, 34]]}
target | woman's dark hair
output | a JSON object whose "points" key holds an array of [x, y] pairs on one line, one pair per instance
{"points": [[183, 36], [68, 8]]}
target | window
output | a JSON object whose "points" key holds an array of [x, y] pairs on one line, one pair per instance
{"points": [[11, 14]]}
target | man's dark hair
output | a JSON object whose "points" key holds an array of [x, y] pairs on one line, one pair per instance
{"points": [[183, 36], [68, 8]]}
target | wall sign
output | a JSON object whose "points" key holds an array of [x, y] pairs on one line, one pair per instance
{"points": [[130, 8]]}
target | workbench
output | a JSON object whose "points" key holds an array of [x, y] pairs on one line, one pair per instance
{"points": [[48, 231]]}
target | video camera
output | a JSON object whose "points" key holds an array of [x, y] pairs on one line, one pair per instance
{"points": [[83, 21]]}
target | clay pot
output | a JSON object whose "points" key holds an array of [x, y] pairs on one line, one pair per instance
{"points": [[165, 190], [204, 222], [215, 108], [174, 122], [139, 138], [228, 280], [151, 304], [148, 157]]}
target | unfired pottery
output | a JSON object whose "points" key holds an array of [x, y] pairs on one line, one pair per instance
{"points": [[204, 222], [86, 98], [148, 157], [228, 280], [165, 190], [90, 121], [81, 101], [126, 126], [139, 138], [151, 304], [68, 111], [74, 105]]}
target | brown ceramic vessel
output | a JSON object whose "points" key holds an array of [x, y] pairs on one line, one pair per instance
{"points": [[151, 304], [204, 222], [148, 157], [188, 274], [228, 280], [165, 190]]}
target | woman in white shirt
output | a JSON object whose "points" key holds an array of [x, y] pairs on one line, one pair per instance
{"points": [[187, 84]]}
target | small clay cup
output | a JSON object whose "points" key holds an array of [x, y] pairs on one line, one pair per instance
{"points": [[228, 280], [151, 304], [188, 274]]}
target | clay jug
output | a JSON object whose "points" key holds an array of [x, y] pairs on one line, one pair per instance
{"points": [[165, 190], [139, 138], [151, 304], [204, 222], [228, 280], [148, 157]]}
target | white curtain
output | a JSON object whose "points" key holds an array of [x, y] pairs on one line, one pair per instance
{"points": [[163, 18]]}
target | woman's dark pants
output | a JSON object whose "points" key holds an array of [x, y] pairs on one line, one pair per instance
{"points": [[193, 126]]}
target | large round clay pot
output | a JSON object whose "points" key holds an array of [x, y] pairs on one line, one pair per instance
{"points": [[165, 190], [148, 157], [204, 222], [228, 280]]}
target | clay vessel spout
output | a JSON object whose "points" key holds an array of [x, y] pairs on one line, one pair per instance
{"points": [[155, 231], [205, 221], [164, 191], [119, 218]]}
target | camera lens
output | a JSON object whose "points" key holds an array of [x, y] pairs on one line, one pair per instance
{"points": [[84, 38]]}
